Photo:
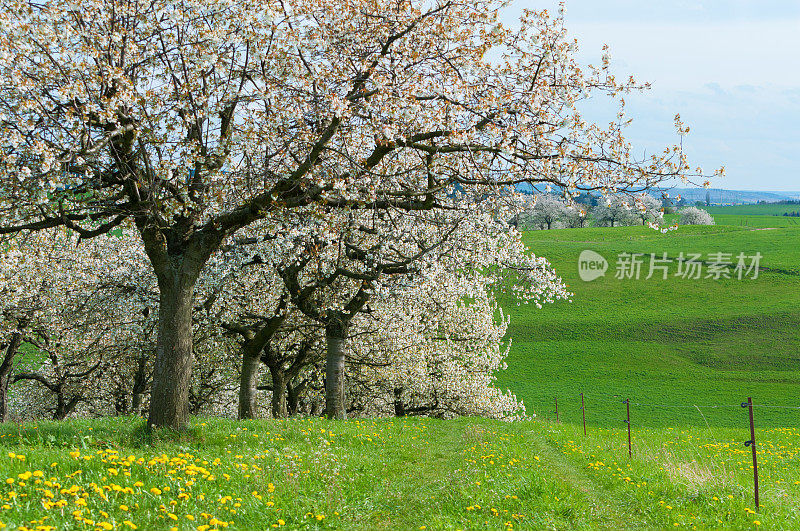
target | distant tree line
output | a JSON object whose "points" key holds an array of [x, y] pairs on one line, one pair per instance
{"points": [[553, 211]]}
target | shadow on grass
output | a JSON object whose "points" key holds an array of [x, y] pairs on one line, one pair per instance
{"points": [[142, 436], [112, 432]]}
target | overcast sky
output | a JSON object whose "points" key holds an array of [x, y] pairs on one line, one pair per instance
{"points": [[731, 68]]}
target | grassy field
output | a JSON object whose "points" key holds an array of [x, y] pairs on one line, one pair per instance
{"points": [[669, 345], [409, 474], [756, 220], [751, 216], [686, 352], [768, 209]]}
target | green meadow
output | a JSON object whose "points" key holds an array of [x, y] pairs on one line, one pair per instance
{"points": [[685, 351], [763, 209], [392, 474]]}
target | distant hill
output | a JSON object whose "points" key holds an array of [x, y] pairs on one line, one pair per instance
{"points": [[719, 196]]}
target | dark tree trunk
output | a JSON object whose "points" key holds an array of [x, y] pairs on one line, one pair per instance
{"points": [[120, 401], [399, 407], [177, 254], [63, 406], [315, 407], [292, 399], [248, 405], [293, 394], [139, 385], [335, 337], [5, 373], [136, 403], [279, 407], [172, 373], [279, 381]]}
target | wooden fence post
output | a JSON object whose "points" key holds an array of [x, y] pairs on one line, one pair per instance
{"points": [[583, 411], [752, 444], [628, 421]]}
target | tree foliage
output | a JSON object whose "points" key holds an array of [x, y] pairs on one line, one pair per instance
{"points": [[191, 121], [695, 216]]}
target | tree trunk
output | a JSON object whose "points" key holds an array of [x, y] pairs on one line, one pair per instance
{"points": [[279, 408], [335, 337], [315, 407], [172, 373], [399, 407], [120, 401], [248, 405], [136, 403], [293, 394], [139, 386], [5, 373], [63, 406], [292, 399]]}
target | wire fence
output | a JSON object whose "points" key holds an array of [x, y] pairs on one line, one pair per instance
{"points": [[748, 405], [600, 403]]}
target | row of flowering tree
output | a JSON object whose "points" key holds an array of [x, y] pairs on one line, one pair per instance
{"points": [[421, 340], [196, 123]]}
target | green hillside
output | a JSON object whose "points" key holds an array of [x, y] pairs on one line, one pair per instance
{"points": [[763, 209], [755, 220], [671, 344]]}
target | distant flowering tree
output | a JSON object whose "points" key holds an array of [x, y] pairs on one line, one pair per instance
{"points": [[82, 313], [544, 211], [647, 209], [695, 216], [21, 284], [614, 211], [577, 216], [192, 120]]}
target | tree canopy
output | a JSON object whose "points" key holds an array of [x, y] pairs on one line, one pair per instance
{"points": [[193, 120]]}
